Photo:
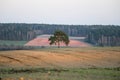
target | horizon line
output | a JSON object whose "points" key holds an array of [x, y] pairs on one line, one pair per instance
{"points": [[55, 23]]}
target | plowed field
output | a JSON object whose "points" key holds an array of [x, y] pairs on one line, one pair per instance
{"points": [[43, 41], [62, 57]]}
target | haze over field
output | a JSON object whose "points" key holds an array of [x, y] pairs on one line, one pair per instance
{"points": [[60, 11]]}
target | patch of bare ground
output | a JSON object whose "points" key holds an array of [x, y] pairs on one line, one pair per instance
{"points": [[69, 57], [44, 42]]}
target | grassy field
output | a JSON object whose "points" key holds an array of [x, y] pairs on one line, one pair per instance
{"points": [[93, 63], [61, 74], [9, 43]]}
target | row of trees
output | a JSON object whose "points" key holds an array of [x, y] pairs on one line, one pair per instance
{"points": [[30, 31], [106, 36], [101, 35], [16, 32]]}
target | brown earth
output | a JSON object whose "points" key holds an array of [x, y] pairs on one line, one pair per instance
{"points": [[64, 57], [44, 42]]}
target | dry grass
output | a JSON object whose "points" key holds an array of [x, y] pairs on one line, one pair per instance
{"points": [[63, 57]]}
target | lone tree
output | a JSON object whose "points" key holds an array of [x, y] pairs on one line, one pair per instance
{"points": [[58, 37]]}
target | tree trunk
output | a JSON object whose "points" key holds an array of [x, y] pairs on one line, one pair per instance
{"points": [[58, 44]]}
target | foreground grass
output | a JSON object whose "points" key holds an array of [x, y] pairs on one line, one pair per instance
{"points": [[15, 43], [60, 74]]}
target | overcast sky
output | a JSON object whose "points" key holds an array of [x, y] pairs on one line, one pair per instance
{"points": [[60, 11]]}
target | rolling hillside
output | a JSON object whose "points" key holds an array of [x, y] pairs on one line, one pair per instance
{"points": [[42, 40], [63, 57]]}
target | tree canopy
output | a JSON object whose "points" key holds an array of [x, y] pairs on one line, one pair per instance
{"points": [[59, 37]]}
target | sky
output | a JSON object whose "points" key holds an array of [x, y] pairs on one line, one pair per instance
{"points": [[80, 12]]}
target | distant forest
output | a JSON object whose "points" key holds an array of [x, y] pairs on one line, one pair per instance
{"points": [[100, 35]]}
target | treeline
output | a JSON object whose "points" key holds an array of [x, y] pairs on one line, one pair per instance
{"points": [[14, 31], [105, 36], [101, 35]]}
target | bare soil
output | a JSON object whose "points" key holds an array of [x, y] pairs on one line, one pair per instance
{"points": [[39, 41], [64, 57]]}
